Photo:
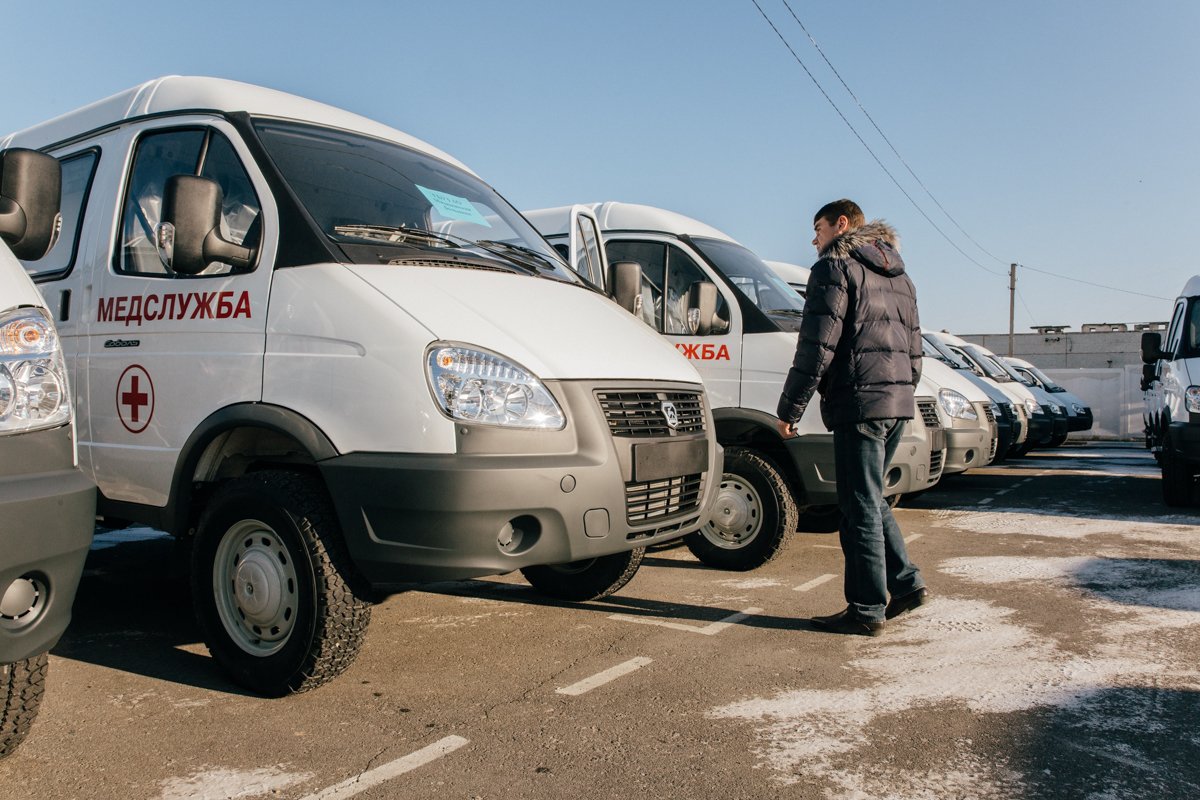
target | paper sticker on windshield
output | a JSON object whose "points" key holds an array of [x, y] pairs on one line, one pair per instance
{"points": [[452, 206]]}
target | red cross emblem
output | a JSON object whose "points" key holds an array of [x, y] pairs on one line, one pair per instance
{"points": [[135, 398]]}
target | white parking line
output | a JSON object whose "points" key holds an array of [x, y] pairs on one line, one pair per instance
{"points": [[392, 769], [828, 546], [708, 630], [608, 675], [815, 582], [912, 538], [985, 501]]}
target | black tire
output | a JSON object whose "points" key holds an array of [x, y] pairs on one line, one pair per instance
{"points": [[22, 684], [893, 500], [755, 515], [277, 531], [820, 519], [1178, 480], [1057, 441], [588, 579]]}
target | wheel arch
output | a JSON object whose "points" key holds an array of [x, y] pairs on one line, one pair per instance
{"points": [[230, 442], [756, 430]]}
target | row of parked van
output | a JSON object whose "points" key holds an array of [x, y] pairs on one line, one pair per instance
{"points": [[333, 360]]}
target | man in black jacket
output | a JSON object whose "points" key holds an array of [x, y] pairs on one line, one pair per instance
{"points": [[860, 346]]}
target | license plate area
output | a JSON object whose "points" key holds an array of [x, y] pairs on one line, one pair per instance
{"points": [[658, 460]]}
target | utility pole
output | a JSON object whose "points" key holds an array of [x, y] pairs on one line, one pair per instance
{"points": [[1012, 299]]}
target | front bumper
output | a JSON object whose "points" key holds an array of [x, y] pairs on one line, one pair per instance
{"points": [[47, 515], [1080, 422], [510, 499], [968, 447], [1041, 428], [1183, 440]]}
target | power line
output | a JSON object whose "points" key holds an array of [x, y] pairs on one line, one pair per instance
{"points": [[868, 147], [1028, 313], [878, 130], [1091, 283]]}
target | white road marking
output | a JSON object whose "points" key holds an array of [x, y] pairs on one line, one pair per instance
{"points": [[828, 546], [985, 501], [1002, 492], [607, 676], [913, 538], [708, 630], [385, 772], [815, 582]]}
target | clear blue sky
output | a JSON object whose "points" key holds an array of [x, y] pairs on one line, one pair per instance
{"points": [[1063, 135]]}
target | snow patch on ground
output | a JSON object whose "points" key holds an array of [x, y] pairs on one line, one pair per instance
{"points": [[955, 650], [1059, 524], [229, 784], [105, 539]]}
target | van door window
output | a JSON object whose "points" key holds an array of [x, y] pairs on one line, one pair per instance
{"points": [[1174, 332], [77, 172], [653, 258], [682, 272], [161, 155]]}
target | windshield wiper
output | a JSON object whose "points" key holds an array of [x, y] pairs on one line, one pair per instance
{"points": [[793, 311], [539, 260], [395, 234]]}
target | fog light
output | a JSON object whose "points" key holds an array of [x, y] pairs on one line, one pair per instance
{"points": [[893, 477], [518, 535], [23, 600]]}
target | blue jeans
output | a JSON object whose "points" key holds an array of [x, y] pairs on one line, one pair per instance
{"points": [[876, 562]]}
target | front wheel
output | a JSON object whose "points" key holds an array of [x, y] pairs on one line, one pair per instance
{"points": [[1177, 480], [754, 516], [276, 596], [22, 684], [587, 579]]}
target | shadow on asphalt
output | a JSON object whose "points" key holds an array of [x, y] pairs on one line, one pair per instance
{"points": [[1112, 742], [133, 611], [1169, 584]]}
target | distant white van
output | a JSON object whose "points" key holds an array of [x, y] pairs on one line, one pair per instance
{"points": [[733, 318], [1172, 397], [336, 360]]}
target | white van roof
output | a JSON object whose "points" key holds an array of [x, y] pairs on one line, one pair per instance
{"points": [[1192, 287], [181, 94], [792, 273], [615, 216]]}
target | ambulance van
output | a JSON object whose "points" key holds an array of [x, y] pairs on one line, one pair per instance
{"points": [[335, 360], [1172, 397], [724, 309], [47, 506]]}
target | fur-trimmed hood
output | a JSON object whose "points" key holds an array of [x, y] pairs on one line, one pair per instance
{"points": [[876, 245]]}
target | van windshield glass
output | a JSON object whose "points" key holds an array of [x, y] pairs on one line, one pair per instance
{"points": [[368, 195], [993, 367], [1047, 382], [946, 354], [747, 273]]}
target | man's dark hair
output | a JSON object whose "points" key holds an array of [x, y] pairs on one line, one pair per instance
{"points": [[842, 208]]}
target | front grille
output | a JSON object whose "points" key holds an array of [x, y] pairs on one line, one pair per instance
{"points": [[640, 413], [992, 448], [646, 502], [987, 412], [935, 464], [929, 416]]}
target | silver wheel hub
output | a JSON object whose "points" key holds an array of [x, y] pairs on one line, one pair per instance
{"points": [[255, 587], [738, 516]]}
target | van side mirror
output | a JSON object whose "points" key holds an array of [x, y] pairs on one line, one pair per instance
{"points": [[1149, 375], [30, 193], [625, 285], [1152, 347], [189, 237], [701, 307]]}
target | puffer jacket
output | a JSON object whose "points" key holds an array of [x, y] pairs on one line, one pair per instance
{"points": [[860, 340]]}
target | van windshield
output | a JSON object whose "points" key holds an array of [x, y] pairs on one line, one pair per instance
{"points": [[944, 353], [369, 195], [1047, 382], [750, 276]]}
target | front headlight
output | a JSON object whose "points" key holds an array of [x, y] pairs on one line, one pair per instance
{"points": [[474, 385], [33, 375], [954, 404], [1031, 406], [1191, 399], [1079, 409]]}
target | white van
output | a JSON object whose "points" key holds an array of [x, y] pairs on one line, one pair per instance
{"points": [[1173, 397], [737, 321], [965, 410], [275, 352], [46, 504]]}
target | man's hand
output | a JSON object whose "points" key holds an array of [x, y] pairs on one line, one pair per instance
{"points": [[786, 429]]}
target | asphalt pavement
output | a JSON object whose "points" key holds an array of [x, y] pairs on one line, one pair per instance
{"points": [[1057, 659]]}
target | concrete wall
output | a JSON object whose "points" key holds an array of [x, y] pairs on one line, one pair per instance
{"points": [[1114, 395], [1109, 349]]}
